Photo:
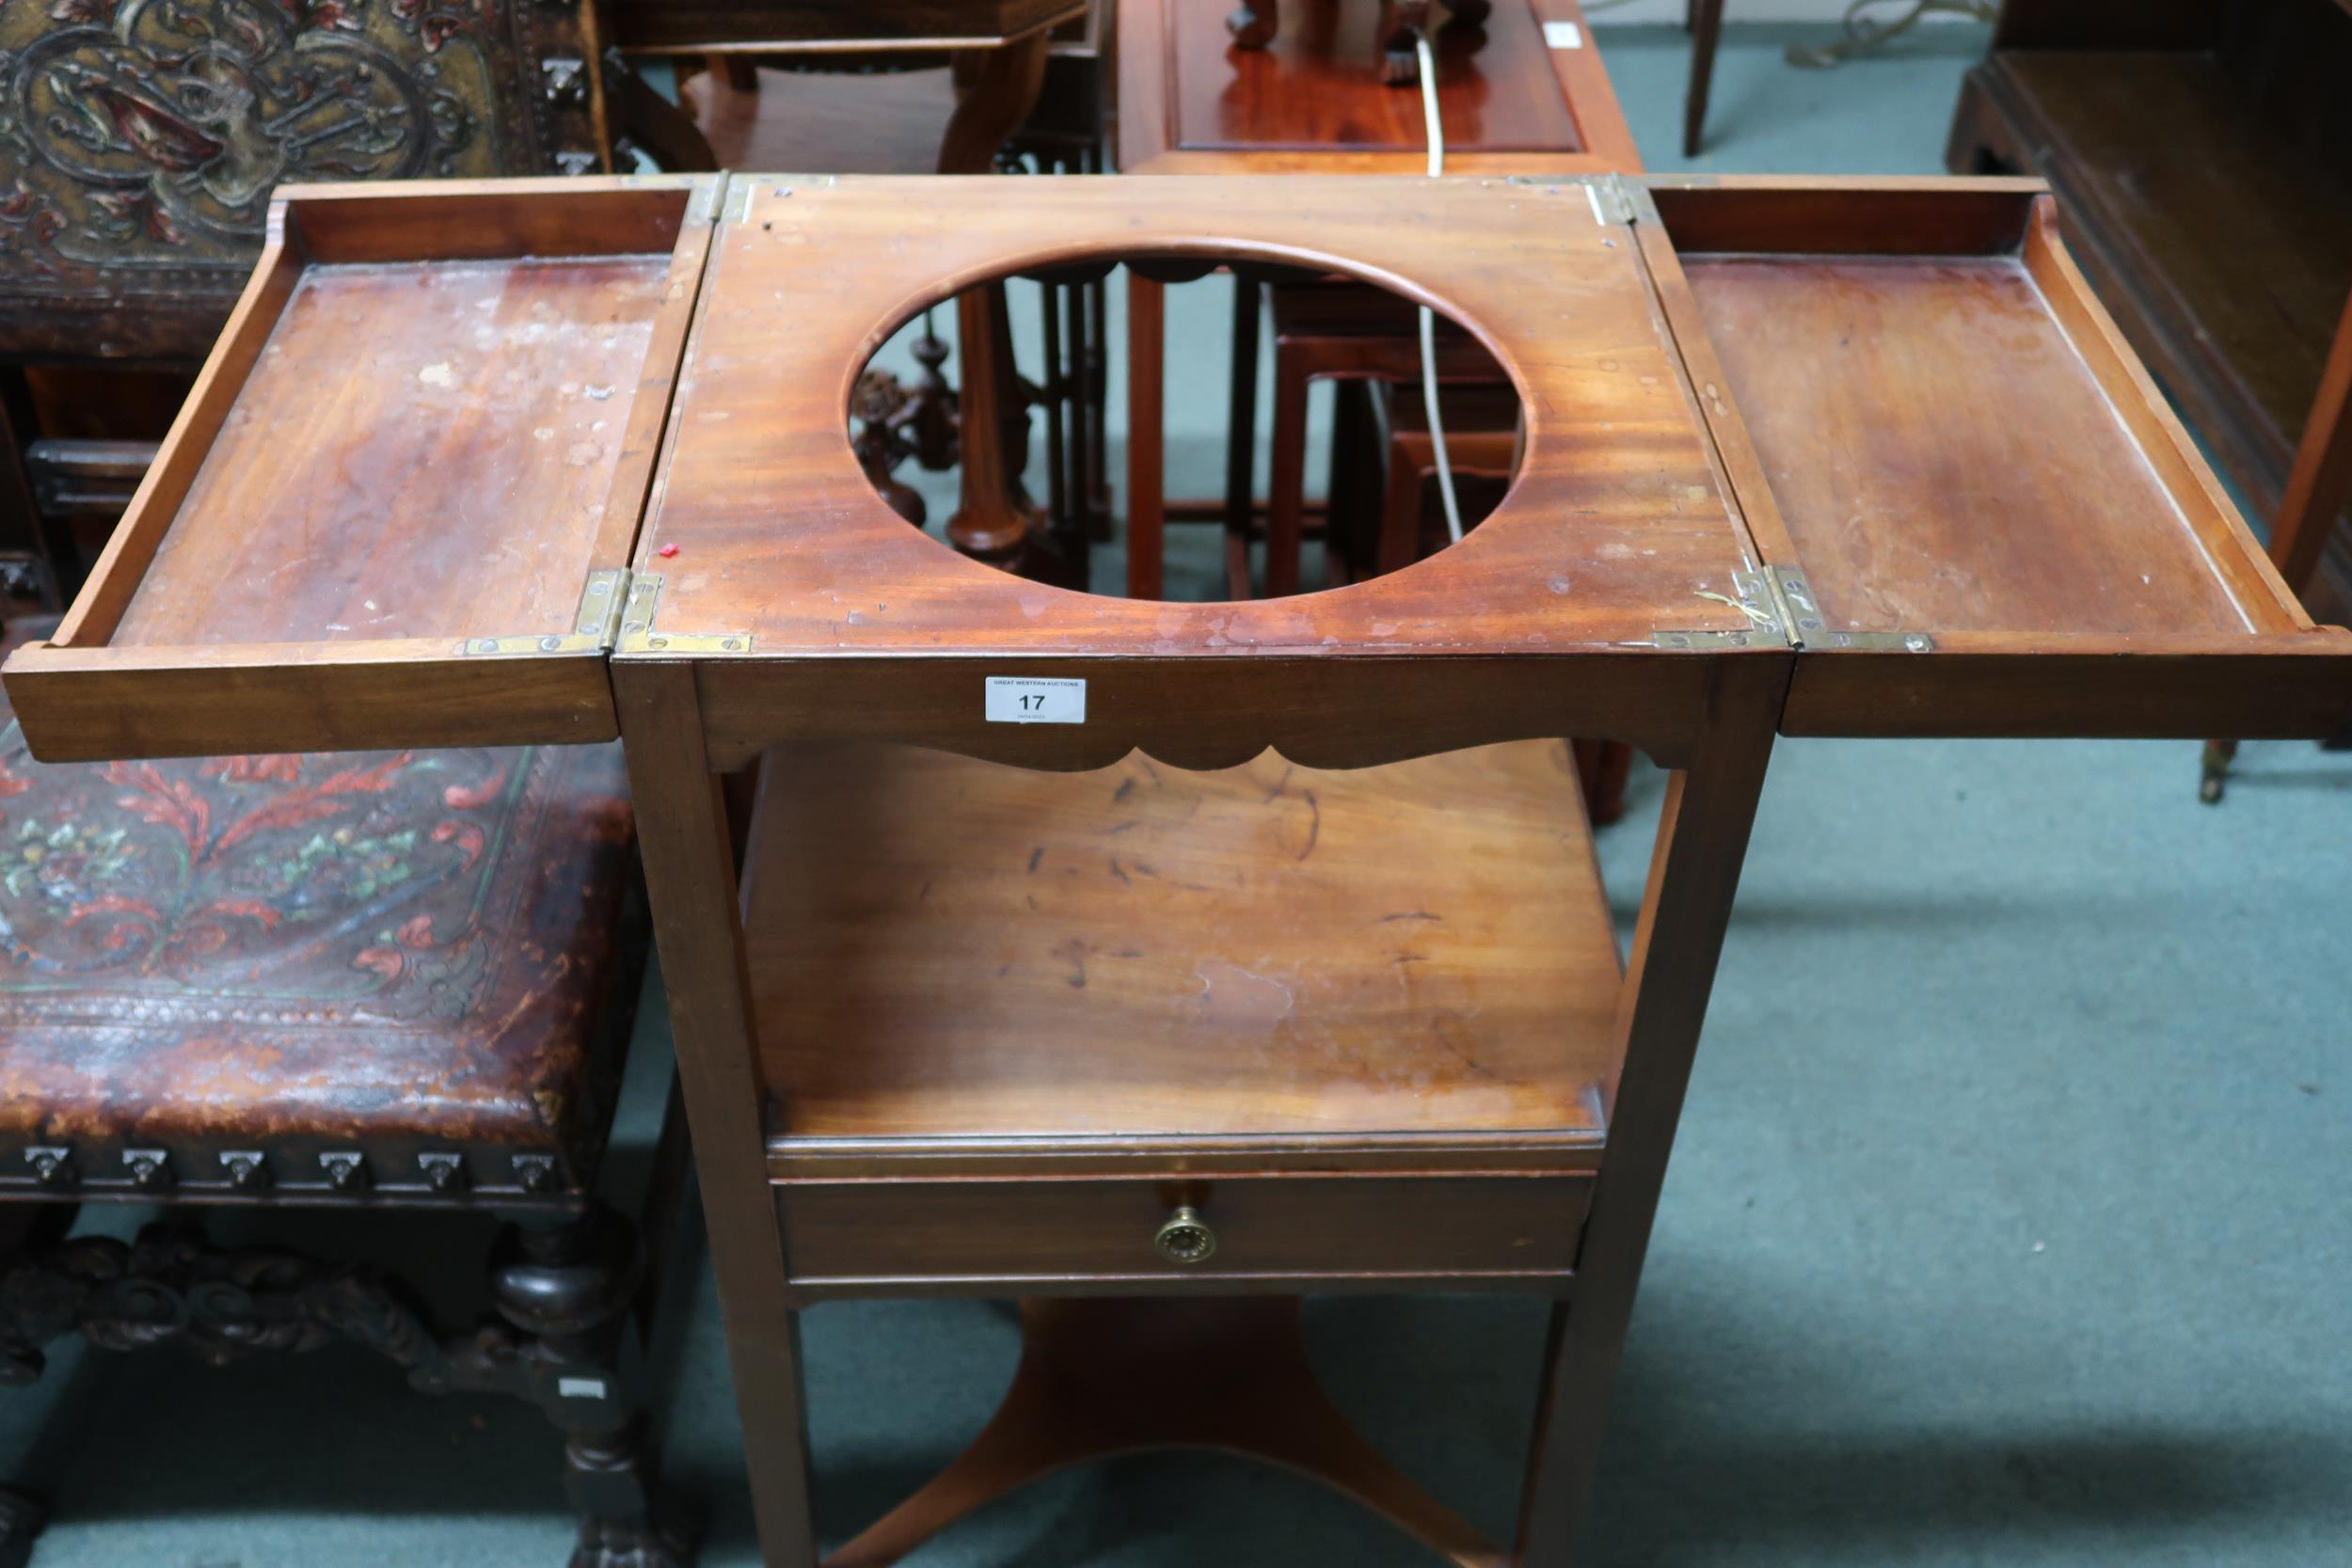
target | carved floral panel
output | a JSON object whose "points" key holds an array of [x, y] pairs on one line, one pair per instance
{"points": [[140, 139]]}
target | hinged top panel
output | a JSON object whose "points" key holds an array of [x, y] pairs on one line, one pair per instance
{"points": [[1617, 527], [777, 556], [398, 508], [1981, 515]]}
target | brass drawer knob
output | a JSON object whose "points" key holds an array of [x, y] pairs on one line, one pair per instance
{"points": [[1185, 1238]]}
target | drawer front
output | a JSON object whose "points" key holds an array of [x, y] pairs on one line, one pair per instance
{"points": [[1329, 1230]]}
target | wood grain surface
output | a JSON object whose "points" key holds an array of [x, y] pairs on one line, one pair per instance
{"points": [[1188, 102], [944, 949], [460, 423], [1617, 525]]}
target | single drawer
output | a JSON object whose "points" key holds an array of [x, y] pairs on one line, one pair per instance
{"points": [[1327, 1231]]}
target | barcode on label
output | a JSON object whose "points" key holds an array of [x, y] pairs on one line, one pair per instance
{"points": [[1563, 35], [1034, 700]]}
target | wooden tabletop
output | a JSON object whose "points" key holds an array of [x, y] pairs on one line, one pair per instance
{"points": [[766, 529]]}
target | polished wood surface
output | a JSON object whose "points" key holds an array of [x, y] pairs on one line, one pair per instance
{"points": [[887, 124], [1188, 102], [862, 1237], [1877, 458], [772, 518], [430, 395], [2240, 227], [942, 947], [482, 372], [2104, 582], [1316, 85], [2198, 151]]}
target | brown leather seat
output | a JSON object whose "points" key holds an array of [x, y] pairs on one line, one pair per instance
{"points": [[381, 971]]}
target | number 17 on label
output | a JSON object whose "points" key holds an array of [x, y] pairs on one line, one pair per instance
{"points": [[1035, 700]]}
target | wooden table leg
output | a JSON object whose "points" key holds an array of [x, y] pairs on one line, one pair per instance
{"points": [[1241, 435], [997, 89], [2317, 487], [1104, 1377], [688, 855], [1707, 28], [1286, 481], [1147, 476], [1702, 837]]}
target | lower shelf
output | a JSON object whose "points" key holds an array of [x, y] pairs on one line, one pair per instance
{"points": [[948, 952]]}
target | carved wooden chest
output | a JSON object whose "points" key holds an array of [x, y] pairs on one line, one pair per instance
{"points": [[140, 141]]}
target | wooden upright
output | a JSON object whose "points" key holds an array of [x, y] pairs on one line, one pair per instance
{"points": [[1157, 963]]}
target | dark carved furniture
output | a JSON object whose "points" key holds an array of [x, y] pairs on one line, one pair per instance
{"points": [[1030, 968], [140, 141], [392, 978], [2200, 151]]}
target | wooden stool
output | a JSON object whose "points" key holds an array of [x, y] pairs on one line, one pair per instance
{"points": [[1338, 331], [1482, 424], [358, 981]]}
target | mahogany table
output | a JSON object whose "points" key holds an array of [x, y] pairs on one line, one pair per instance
{"points": [[1155, 963]]}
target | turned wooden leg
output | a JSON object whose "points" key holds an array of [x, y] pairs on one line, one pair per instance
{"points": [[1255, 24], [1099, 1378], [27, 1229], [1707, 28], [570, 1284], [997, 89]]}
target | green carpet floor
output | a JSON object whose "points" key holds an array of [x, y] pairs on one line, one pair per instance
{"points": [[2008, 1223]]}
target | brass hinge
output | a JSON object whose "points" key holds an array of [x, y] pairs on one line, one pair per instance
{"points": [[1615, 198], [703, 208], [1807, 627], [638, 635], [1767, 626], [1618, 201], [593, 622]]}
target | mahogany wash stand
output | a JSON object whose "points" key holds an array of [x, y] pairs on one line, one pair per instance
{"points": [[1157, 963]]}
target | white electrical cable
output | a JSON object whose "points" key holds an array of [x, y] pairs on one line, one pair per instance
{"points": [[1428, 317]]}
